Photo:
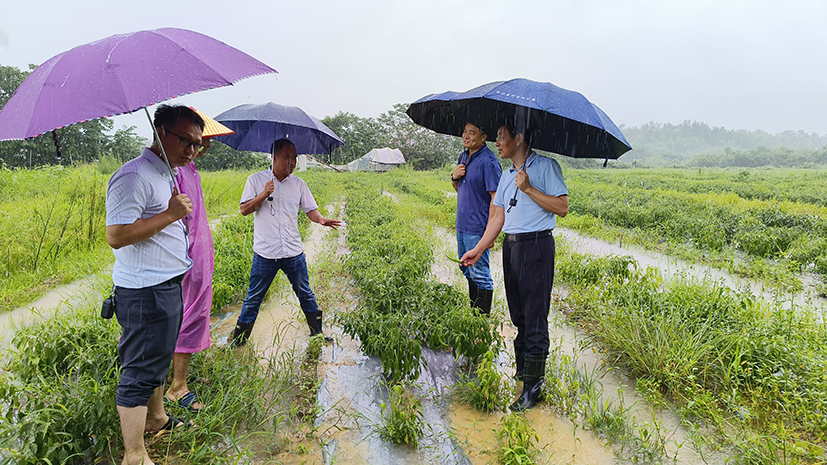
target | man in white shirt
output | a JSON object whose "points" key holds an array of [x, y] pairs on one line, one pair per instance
{"points": [[275, 196]]}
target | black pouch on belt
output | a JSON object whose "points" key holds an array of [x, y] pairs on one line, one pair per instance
{"points": [[108, 307]]}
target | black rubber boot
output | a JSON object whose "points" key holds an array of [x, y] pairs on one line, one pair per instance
{"points": [[241, 334], [314, 321], [473, 290], [533, 376], [483, 302], [519, 358]]}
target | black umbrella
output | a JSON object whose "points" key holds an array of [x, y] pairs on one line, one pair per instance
{"points": [[555, 119]]}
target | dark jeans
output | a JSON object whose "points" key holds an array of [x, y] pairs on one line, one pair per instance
{"points": [[151, 319], [262, 274], [528, 271]]}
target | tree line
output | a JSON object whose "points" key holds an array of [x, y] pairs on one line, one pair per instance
{"points": [[693, 143]]}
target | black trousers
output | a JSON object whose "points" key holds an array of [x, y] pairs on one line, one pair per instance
{"points": [[528, 271], [151, 319]]}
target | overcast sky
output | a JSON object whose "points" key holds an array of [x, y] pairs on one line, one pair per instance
{"points": [[741, 64]]}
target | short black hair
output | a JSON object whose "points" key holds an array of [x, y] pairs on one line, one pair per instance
{"points": [[279, 145], [167, 116], [516, 125]]}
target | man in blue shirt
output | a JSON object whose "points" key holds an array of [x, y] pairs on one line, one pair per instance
{"points": [[475, 179], [529, 197], [144, 228]]}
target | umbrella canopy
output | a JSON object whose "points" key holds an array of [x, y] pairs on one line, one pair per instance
{"points": [[558, 120], [121, 74], [212, 127], [386, 156], [258, 126]]}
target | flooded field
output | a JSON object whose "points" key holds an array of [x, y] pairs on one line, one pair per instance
{"points": [[351, 390]]}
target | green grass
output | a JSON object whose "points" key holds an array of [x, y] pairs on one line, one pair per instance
{"points": [[723, 219], [720, 356]]}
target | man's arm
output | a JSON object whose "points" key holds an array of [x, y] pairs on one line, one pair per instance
{"points": [[495, 224], [121, 235], [559, 205], [317, 217]]}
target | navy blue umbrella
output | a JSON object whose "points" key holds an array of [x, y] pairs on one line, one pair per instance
{"points": [[258, 126], [558, 120]]}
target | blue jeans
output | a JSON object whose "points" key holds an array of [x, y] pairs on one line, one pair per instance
{"points": [[262, 274], [480, 273]]}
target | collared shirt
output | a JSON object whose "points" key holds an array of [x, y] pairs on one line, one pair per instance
{"points": [[141, 189], [545, 175], [275, 223], [482, 175]]}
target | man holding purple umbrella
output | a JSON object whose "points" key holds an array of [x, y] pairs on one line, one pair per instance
{"points": [[144, 227]]}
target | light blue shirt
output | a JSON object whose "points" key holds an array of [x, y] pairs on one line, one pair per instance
{"points": [[141, 189], [527, 216]]}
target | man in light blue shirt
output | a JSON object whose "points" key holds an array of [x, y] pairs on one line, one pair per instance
{"points": [[149, 240], [529, 197]]}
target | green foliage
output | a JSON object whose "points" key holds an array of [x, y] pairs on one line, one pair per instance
{"points": [[402, 308], [696, 341], [778, 220], [360, 135], [487, 391], [52, 229], [403, 422], [516, 441], [221, 157], [59, 388], [233, 244], [423, 149]]}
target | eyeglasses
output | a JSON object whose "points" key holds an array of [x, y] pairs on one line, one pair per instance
{"points": [[186, 143]]}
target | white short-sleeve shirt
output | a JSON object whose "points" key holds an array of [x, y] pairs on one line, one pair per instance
{"points": [[275, 223]]}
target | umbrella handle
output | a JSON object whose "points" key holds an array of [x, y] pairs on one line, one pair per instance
{"points": [[513, 200], [186, 222], [163, 152]]}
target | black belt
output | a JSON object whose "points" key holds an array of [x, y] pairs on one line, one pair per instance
{"points": [[527, 236]]}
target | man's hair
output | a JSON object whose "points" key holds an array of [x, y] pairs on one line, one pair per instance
{"points": [[168, 116], [279, 145], [515, 125], [479, 128]]}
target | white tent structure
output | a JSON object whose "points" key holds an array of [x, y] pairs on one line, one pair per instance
{"points": [[381, 160]]}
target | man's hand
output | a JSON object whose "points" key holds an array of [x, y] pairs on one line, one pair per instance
{"points": [[521, 180], [471, 257], [330, 223], [179, 205], [269, 187], [459, 172]]}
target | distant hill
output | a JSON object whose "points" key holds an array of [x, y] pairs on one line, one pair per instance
{"points": [[694, 143]]}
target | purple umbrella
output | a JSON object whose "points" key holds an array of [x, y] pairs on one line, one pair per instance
{"points": [[121, 74]]}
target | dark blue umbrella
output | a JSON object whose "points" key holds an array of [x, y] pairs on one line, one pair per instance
{"points": [[558, 120], [258, 126]]}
